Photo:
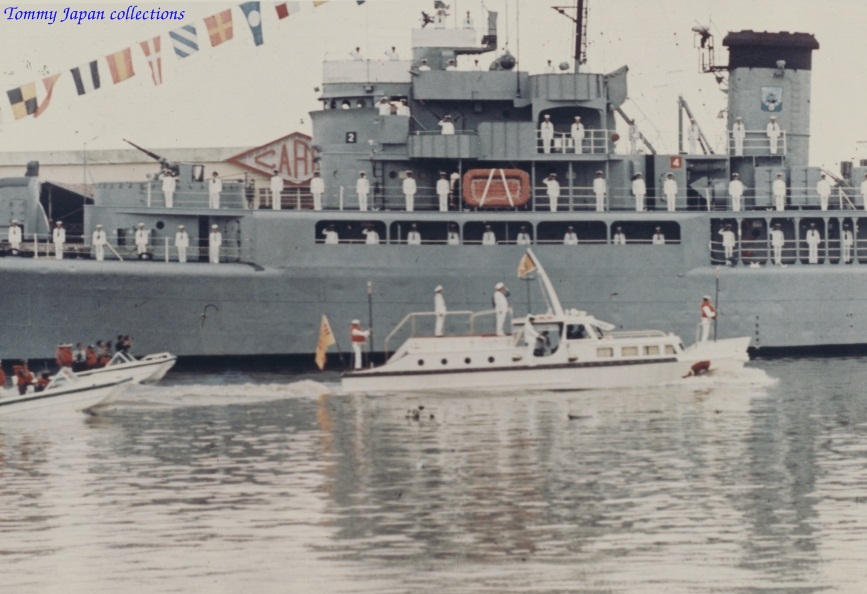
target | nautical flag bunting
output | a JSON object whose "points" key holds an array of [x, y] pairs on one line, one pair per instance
{"points": [[23, 100], [153, 53], [48, 83], [184, 41], [120, 65], [220, 27], [326, 339], [285, 9], [254, 19], [86, 77]]}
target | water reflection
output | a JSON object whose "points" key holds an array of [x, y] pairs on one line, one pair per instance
{"points": [[708, 487]]}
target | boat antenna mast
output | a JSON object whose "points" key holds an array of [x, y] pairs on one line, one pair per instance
{"points": [[707, 55], [580, 20]]}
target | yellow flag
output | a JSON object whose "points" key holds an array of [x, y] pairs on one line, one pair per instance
{"points": [[526, 266], [317, 3], [326, 339]]}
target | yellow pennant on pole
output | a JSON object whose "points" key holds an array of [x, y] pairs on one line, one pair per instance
{"points": [[326, 339], [526, 266]]}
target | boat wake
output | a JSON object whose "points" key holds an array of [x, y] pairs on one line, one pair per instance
{"points": [[747, 377], [206, 394]]}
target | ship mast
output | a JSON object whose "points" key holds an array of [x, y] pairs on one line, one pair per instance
{"points": [[580, 20]]}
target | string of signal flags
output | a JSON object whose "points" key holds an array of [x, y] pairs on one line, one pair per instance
{"points": [[32, 99]]}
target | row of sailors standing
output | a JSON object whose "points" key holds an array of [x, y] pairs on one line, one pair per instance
{"points": [[170, 186], [813, 239], [772, 131]]}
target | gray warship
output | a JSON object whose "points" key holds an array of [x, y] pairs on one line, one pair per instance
{"points": [[282, 270]]}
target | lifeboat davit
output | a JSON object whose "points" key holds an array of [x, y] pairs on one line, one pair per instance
{"points": [[496, 188]]}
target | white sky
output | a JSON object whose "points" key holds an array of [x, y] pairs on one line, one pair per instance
{"points": [[238, 94]]}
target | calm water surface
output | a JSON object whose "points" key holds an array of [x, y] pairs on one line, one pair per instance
{"points": [[267, 483]]}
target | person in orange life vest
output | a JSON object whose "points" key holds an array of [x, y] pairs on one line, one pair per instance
{"points": [[63, 355], [708, 313], [23, 377], [359, 336], [42, 382]]}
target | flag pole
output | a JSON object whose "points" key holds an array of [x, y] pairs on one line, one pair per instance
{"points": [[370, 320], [339, 351]]}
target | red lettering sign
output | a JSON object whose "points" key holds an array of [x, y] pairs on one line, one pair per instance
{"points": [[291, 156], [675, 162]]}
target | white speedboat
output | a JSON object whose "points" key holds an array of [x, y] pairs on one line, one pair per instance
{"points": [[574, 351], [148, 369], [66, 392]]}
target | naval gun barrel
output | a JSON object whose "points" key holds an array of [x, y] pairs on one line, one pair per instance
{"points": [[164, 163]]}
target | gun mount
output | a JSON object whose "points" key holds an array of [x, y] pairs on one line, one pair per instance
{"points": [[165, 164]]}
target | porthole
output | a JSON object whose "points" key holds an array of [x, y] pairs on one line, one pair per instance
{"points": [[468, 360], [392, 175], [490, 359], [420, 362], [445, 361], [160, 225]]}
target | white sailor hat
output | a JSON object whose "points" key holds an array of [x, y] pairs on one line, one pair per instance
{"points": [[598, 173], [215, 226], [739, 118], [577, 117], [99, 226], [355, 322], [14, 221], [361, 173], [141, 224], [669, 174], [735, 175], [499, 286], [439, 289], [706, 297], [779, 175], [547, 117], [773, 117], [59, 223], [181, 227]]}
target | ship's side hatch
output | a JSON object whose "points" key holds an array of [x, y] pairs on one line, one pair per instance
{"points": [[65, 202]]}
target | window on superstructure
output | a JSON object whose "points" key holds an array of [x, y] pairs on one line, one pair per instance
{"points": [[559, 232], [431, 232]]}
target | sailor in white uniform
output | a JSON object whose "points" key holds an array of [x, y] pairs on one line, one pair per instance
{"points": [[413, 237], [778, 188], [447, 127], [570, 238], [634, 137], [169, 187], [182, 242], [501, 307], [864, 191], [362, 188], [453, 238], [577, 134], [451, 65], [142, 239], [317, 188], [409, 190], [277, 190], [813, 241], [773, 131], [736, 191], [215, 186], [331, 236], [639, 190], [59, 238], [392, 54], [531, 337], [370, 235], [738, 135], [215, 240], [403, 108], [523, 237], [424, 66], [600, 188], [99, 241], [728, 242], [778, 240], [553, 191], [823, 188], [439, 310], [15, 236], [488, 237], [356, 54], [693, 133], [669, 190], [658, 237], [384, 106], [443, 188], [619, 237], [847, 241], [546, 132]]}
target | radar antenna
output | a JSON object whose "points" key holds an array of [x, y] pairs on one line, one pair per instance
{"points": [[580, 20]]}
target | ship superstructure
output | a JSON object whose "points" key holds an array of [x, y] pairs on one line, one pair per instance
{"points": [[459, 110]]}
